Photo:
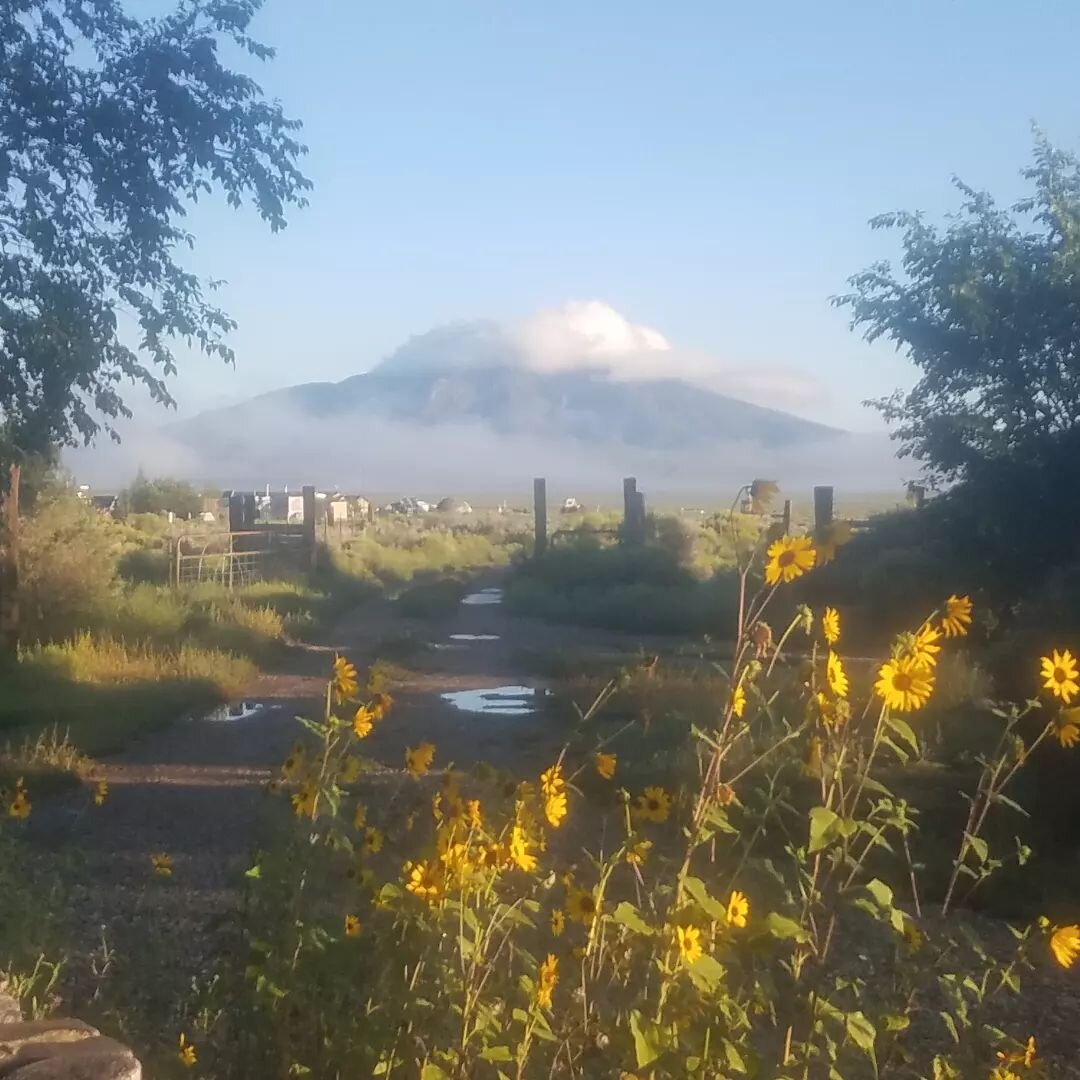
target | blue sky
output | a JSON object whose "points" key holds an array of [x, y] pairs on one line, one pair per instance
{"points": [[706, 169]]}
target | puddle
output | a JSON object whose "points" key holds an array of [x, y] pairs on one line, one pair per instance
{"points": [[498, 700], [484, 597], [241, 710], [474, 637]]}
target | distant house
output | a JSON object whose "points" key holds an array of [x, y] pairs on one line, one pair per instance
{"points": [[453, 506], [337, 509], [104, 504], [285, 506]]}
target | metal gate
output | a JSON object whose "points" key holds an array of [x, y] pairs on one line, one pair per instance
{"points": [[235, 559]]}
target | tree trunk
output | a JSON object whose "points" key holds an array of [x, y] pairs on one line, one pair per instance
{"points": [[9, 565]]}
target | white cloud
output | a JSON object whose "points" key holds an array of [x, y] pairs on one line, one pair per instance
{"points": [[591, 335]]}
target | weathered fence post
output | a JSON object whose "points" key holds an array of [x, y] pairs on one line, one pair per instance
{"points": [[540, 516], [633, 511], [823, 508], [9, 563], [785, 518], [639, 517], [308, 492]]}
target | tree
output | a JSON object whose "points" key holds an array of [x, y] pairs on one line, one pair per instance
{"points": [[161, 495], [109, 127], [988, 308]]}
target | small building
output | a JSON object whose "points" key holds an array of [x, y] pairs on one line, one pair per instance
{"points": [[451, 505], [285, 506]]}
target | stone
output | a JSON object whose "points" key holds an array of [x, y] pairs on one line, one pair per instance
{"points": [[10, 1013], [14, 1037], [95, 1058]]}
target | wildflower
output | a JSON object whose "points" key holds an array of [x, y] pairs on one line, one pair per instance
{"points": [[1067, 729], [363, 722], [101, 792], [834, 671], [605, 765], [555, 808], [418, 758], [638, 852], [1065, 945], [830, 625], [762, 639], [304, 800], [654, 805], [738, 909], [738, 701], [350, 770], [359, 819], [293, 766], [1025, 1057], [904, 684], [553, 787], [344, 679], [520, 855], [20, 805], [424, 881], [834, 711], [925, 645], [186, 1054], [789, 558], [1060, 675], [688, 939], [547, 978], [551, 780], [957, 617], [162, 864], [725, 794], [373, 840], [379, 706], [835, 535], [558, 922], [581, 906], [473, 815], [352, 925]]}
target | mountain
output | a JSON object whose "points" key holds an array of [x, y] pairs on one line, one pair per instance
{"points": [[588, 408]]}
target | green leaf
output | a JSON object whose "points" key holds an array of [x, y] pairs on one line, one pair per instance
{"points": [[978, 845], [627, 915], [896, 1022], [881, 893], [823, 827], [712, 907], [903, 731], [950, 1023], [706, 974], [733, 1058], [432, 1072], [496, 1053], [784, 928], [861, 1032], [647, 1047]]}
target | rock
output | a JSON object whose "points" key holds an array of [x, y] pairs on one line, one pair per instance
{"points": [[9, 1010], [15, 1037], [94, 1058]]}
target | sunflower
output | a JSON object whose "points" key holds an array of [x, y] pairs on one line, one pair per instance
{"points": [[1060, 675], [186, 1053], [101, 792], [373, 840], [605, 765], [558, 922], [789, 558], [1025, 1057], [350, 770], [344, 679], [581, 906], [957, 617], [162, 864], [379, 706], [19, 807], [834, 671], [738, 701], [551, 781], [1067, 729], [1065, 945], [925, 645], [418, 758], [638, 852], [424, 881], [834, 535], [292, 768], [363, 723], [520, 855], [904, 684], [738, 909], [654, 805], [303, 800], [688, 940], [555, 808], [352, 925], [547, 977], [359, 816], [830, 625], [474, 817]]}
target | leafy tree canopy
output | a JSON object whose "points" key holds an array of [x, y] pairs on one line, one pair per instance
{"points": [[109, 127], [988, 308], [159, 496]]}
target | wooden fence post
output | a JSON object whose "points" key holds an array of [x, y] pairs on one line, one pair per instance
{"points": [[9, 564], [540, 516], [640, 518], [308, 492], [823, 508], [785, 518]]}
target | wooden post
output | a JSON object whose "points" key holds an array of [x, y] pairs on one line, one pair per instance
{"points": [[640, 520], [785, 519], [540, 516], [9, 565], [823, 508], [308, 492], [236, 512], [629, 495]]}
